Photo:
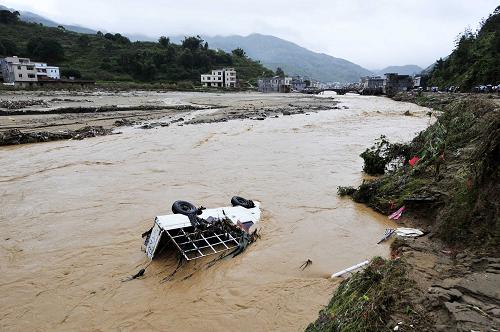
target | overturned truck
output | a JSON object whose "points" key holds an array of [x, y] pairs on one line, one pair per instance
{"points": [[199, 232]]}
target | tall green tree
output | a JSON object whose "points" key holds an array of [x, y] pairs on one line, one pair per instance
{"points": [[164, 41], [192, 43]]}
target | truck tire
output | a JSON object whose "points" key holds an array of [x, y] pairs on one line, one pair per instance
{"points": [[240, 201], [183, 207]]}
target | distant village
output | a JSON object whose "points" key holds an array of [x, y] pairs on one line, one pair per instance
{"points": [[22, 72], [370, 85]]}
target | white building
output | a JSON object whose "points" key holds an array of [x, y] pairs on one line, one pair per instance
{"points": [[221, 78], [47, 72], [18, 70], [275, 84], [23, 72]]}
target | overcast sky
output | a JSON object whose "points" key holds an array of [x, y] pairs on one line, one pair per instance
{"points": [[371, 33]]}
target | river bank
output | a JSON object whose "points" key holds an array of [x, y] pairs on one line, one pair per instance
{"points": [[448, 279], [31, 116]]}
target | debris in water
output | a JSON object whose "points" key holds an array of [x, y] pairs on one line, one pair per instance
{"points": [[388, 233], [408, 232], [135, 276], [199, 232], [349, 269], [306, 264]]}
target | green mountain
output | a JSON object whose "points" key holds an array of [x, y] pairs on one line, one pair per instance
{"points": [[475, 59], [402, 70], [274, 52], [113, 57]]}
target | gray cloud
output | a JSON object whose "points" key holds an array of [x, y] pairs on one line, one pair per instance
{"points": [[371, 33]]}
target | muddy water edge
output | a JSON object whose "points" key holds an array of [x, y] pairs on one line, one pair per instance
{"points": [[72, 213]]}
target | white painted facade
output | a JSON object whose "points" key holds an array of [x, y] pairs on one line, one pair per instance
{"points": [[21, 71], [221, 78], [44, 71]]}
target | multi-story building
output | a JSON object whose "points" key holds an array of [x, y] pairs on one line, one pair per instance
{"points": [[394, 83], [275, 84], [20, 71], [23, 72], [372, 82], [372, 85], [47, 72], [298, 83], [220, 78]]}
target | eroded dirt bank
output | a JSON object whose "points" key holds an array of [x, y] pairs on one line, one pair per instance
{"points": [[72, 214], [447, 280], [30, 117]]}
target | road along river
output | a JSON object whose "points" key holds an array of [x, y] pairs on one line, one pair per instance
{"points": [[72, 213]]}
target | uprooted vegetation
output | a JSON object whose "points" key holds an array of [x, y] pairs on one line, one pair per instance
{"points": [[383, 155], [455, 181], [366, 301]]}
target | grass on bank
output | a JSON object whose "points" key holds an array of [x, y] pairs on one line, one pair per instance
{"points": [[365, 301]]}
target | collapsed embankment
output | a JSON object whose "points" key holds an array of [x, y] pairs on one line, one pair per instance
{"points": [[447, 280]]}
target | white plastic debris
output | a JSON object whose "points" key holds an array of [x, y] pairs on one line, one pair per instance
{"points": [[349, 269], [408, 232]]}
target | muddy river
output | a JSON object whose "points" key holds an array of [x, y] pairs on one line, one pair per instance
{"points": [[72, 213]]}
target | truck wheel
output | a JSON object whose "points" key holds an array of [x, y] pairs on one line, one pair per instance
{"points": [[183, 207], [240, 201]]}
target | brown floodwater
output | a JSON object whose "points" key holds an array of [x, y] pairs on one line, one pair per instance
{"points": [[72, 213]]}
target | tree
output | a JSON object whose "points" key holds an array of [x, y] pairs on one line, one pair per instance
{"points": [[2, 49], [71, 73], [49, 50], [99, 34], [121, 39], [164, 41], [280, 72], [186, 59], [8, 17], [192, 43], [239, 52], [84, 41]]}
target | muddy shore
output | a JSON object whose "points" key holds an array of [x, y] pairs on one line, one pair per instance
{"points": [[29, 117]]}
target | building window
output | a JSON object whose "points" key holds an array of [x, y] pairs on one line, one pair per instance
{"points": [[18, 67], [20, 75], [31, 75]]}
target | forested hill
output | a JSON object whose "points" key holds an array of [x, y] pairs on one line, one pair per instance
{"points": [[475, 60], [112, 57]]}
